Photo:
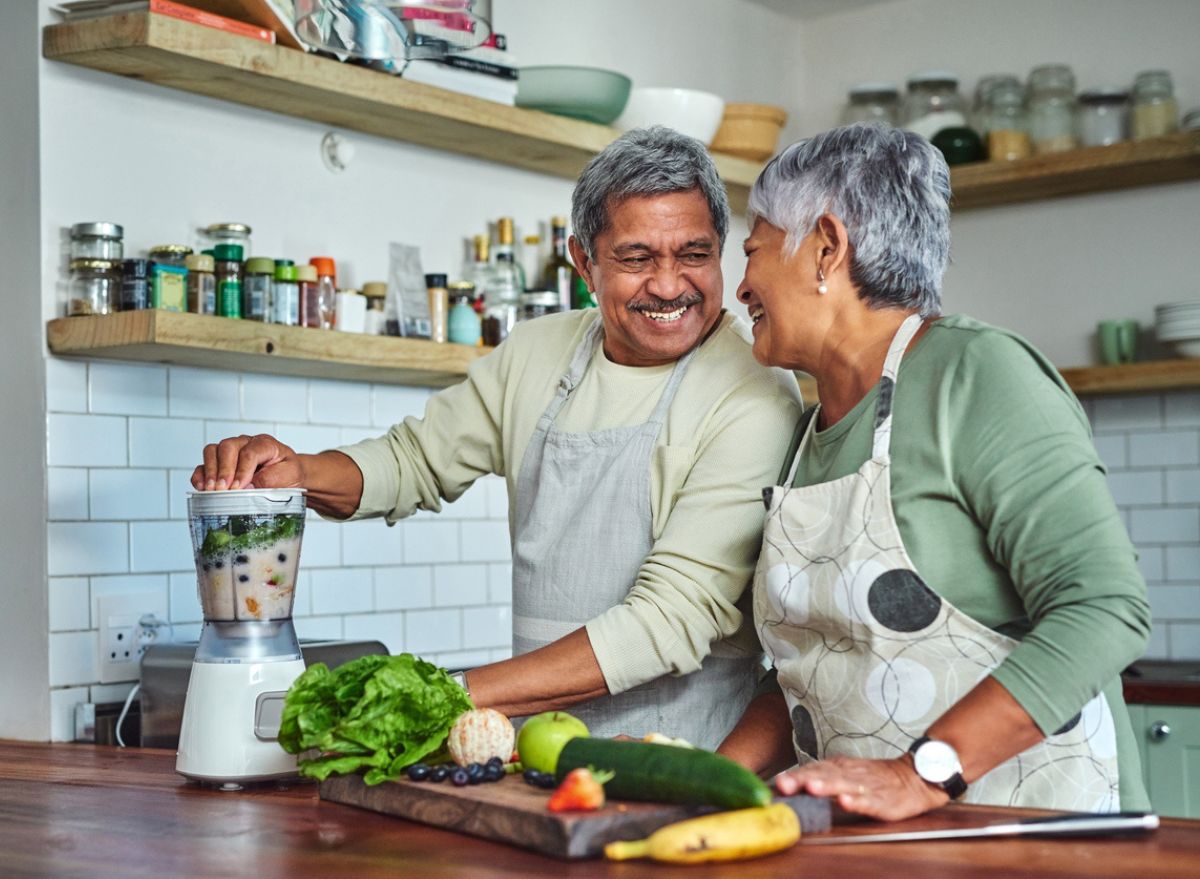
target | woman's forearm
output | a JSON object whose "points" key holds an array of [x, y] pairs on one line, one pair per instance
{"points": [[762, 740]]}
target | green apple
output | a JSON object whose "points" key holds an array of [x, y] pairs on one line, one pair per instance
{"points": [[542, 737]]}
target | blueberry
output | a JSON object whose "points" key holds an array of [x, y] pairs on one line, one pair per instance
{"points": [[241, 559], [493, 773], [459, 777], [531, 776], [547, 780], [496, 761], [243, 578], [438, 773], [218, 565], [418, 772], [282, 557]]}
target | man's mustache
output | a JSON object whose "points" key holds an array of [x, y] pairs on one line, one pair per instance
{"points": [[653, 303]]}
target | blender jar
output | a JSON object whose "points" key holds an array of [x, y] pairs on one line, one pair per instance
{"points": [[247, 549]]}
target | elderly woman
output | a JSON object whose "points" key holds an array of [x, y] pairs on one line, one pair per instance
{"points": [[945, 585]]}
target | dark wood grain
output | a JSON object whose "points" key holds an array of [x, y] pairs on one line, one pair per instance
{"points": [[515, 813], [102, 813]]}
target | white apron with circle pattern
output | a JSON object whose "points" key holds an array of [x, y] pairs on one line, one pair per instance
{"points": [[868, 656], [582, 529]]}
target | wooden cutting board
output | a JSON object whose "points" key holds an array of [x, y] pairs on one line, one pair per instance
{"points": [[514, 812]]}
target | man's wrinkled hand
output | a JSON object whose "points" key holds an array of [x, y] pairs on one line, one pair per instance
{"points": [[248, 462]]}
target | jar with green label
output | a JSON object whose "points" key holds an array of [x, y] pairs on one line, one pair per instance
{"points": [[229, 279], [256, 287], [168, 276]]}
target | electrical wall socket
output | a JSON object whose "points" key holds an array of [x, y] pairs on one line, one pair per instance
{"points": [[122, 640]]}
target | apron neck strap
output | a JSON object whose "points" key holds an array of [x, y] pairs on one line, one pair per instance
{"points": [[887, 384]]}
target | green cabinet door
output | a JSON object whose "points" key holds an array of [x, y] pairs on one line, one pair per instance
{"points": [[1170, 744]]}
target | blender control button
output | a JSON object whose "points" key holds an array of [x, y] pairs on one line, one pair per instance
{"points": [[268, 711]]}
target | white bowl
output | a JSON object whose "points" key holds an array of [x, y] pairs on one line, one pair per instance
{"points": [[1188, 348], [696, 114]]}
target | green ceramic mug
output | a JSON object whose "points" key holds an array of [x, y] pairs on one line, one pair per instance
{"points": [[1118, 340]]}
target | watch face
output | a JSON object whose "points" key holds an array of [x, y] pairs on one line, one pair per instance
{"points": [[936, 762]]}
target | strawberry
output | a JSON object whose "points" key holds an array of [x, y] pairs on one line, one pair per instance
{"points": [[581, 791]]}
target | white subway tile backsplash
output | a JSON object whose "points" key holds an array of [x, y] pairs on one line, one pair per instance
{"points": [[1113, 450], [1151, 564], [179, 483], [408, 587], [166, 442], [485, 542], [86, 441], [319, 629], [373, 542], [1182, 409], [432, 631], [1185, 640], [1183, 485], [67, 493], [1165, 525], [151, 588], [128, 494], [1158, 646], [69, 604], [340, 403], [1127, 412], [204, 393], [430, 542], [497, 496], [1136, 487], [391, 404], [274, 398], [487, 626], [500, 583], [160, 546], [387, 628], [459, 585], [184, 600], [127, 388], [87, 548], [73, 658], [1183, 564], [342, 590], [100, 693], [464, 659], [351, 435], [66, 385], [62, 708], [471, 505], [215, 431], [1178, 602], [308, 439], [499, 654], [302, 601], [1164, 448], [322, 543]]}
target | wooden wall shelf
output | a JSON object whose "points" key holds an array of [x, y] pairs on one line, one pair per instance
{"points": [[1151, 376], [153, 336], [210, 62]]}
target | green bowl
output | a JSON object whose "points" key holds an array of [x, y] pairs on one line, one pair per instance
{"points": [[587, 93]]}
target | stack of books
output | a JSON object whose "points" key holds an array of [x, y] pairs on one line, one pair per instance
{"points": [[79, 10], [488, 72]]}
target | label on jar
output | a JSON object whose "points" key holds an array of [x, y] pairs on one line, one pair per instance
{"points": [[170, 289], [229, 297]]}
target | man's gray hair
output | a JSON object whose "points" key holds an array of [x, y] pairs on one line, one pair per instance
{"points": [[891, 189], [645, 161]]}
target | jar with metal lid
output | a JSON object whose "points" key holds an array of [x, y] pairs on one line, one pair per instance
{"points": [[1103, 117], [201, 284], [256, 287], [226, 233], [168, 276], [981, 102], [285, 296], [872, 102], [375, 292], [1052, 109], [229, 279], [1006, 122], [539, 302], [1155, 111], [94, 287], [97, 241], [933, 103], [135, 285]]}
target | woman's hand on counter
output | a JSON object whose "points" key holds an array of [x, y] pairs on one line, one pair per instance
{"points": [[888, 790]]}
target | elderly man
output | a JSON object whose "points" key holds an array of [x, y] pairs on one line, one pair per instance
{"points": [[634, 439]]}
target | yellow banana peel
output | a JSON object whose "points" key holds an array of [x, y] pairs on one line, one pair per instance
{"points": [[724, 836]]}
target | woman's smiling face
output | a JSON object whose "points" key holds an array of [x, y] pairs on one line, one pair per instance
{"points": [[778, 290]]}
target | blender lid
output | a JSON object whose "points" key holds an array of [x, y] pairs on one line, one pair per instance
{"points": [[246, 501]]}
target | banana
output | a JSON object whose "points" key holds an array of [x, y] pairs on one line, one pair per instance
{"points": [[724, 836]]}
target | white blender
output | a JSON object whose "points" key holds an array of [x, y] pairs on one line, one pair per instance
{"points": [[247, 548]]}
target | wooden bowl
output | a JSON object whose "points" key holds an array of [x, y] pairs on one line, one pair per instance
{"points": [[750, 131]]}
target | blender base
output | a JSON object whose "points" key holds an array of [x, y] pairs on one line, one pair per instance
{"points": [[231, 720]]}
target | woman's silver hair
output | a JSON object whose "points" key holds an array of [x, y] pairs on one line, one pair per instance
{"points": [[891, 189], [645, 161]]}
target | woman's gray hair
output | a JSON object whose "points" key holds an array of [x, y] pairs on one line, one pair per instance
{"points": [[891, 189], [645, 161]]}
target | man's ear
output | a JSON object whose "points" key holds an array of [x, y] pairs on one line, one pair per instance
{"points": [[583, 265]]}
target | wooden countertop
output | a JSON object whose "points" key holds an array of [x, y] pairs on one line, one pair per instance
{"points": [[107, 813]]}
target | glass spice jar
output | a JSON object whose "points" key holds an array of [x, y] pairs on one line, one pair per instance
{"points": [[97, 241], [256, 287], [226, 233], [872, 102], [1006, 122], [310, 306], [933, 103], [1103, 117], [285, 296], [539, 302], [94, 287], [375, 292], [981, 103], [168, 276], [201, 284], [228, 271], [135, 285], [1155, 111], [1052, 109]]}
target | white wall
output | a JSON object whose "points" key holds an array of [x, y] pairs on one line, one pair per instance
{"points": [[1049, 270]]}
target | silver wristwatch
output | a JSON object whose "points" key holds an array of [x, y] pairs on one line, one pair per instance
{"points": [[460, 678], [937, 763]]}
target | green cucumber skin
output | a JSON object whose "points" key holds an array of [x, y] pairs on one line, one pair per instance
{"points": [[665, 773]]}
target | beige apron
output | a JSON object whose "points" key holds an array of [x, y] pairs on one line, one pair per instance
{"points": [[869, 656]]}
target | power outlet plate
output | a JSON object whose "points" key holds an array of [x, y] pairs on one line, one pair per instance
{"points": [[121, 643]]}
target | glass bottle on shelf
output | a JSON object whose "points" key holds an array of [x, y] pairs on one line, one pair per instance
{"points": [[933, 103], [1006, 122], [502, 299], [1103, 117], [480, 270], [310, 307], [531, 260], [559, 274], [326, 291], [1052, 109], [463, 324], [229, 279], [506, 251], [1155, 111], [981, 103], [872, 102]]}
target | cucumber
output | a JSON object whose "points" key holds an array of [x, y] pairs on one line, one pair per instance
{"points": [[665, 773]]}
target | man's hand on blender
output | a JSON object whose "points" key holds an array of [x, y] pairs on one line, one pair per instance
{"points": [[333, 480]]}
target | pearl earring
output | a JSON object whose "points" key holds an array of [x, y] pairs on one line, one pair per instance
{"points": [[822, 288]]}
